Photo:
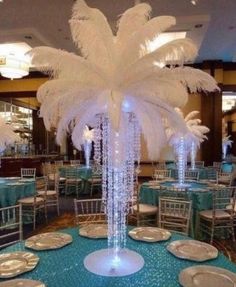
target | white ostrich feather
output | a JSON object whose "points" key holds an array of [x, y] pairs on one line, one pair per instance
{"points": [[114, 71], [7, 136], [176, 52], [93, 35], [138, 43], [88, 135], [196, 132], [65, 65], [190, 115], [171, 92], [194, 79], [131, 21], [226, 141]]}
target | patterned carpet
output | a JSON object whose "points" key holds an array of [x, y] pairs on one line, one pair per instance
{"points": [[66, 220]]}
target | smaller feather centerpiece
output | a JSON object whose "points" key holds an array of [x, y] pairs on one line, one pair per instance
{"points": [[88, 138]]}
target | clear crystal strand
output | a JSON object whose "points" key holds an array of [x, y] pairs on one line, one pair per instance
{"points": [[97, 140]]}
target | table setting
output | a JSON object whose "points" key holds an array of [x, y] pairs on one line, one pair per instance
{"points": [[14, 188], [170, 260]]}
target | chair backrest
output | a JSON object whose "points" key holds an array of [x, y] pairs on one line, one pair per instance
{"points": [[199, 164], [192, 175], [224, 178], [223, 199], [10, 225], [211, 173], [41, 183], [47, 168], [28, 172], [217, 165], [75, 162], [162, 174], [161, 165], [89, 211], [174, 214], [174, 193], [58, 163]]}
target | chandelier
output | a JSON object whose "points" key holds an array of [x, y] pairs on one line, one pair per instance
{"points": [[13, 68]]}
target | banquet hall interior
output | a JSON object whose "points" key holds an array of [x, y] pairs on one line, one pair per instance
{"points": [[117, 143]]}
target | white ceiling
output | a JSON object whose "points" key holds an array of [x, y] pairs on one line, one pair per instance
{"points": [[45, 22]]}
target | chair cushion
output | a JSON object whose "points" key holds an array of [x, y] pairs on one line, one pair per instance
{"points": [[49, 192], [145, 208], [30, 200], [218, 214]]}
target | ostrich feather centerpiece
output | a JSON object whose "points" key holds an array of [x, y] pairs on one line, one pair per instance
{"points": [[8, 136], [88, 137], [226, 142], [120, 88], [188, 142]]}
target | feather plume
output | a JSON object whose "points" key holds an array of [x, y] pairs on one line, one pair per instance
{"points": [[110, 73], [131, 21], [194, 79], [8, 136], [92, 34], [138, 43]]}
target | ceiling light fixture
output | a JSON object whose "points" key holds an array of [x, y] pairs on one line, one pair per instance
{"points": [[194, 2], [13, 62], [13, 68]]}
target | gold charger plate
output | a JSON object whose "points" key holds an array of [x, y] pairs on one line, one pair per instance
{"points": [[149, 234], [94, 231], [15, 263], [192, 250], [49, 240], [207, 276], [22, 283]]}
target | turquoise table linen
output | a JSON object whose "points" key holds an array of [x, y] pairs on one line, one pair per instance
{"points": [[203, 172], [81, 171], [12, 190], [200, 196], [64, 267]]}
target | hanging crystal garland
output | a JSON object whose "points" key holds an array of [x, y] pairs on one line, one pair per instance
{"points": [[193, 155], [181, 152], [97, 140], [119, 153]]}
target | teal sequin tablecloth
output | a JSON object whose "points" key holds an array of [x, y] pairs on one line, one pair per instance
{"points": [[64, 267], [11, 190]]}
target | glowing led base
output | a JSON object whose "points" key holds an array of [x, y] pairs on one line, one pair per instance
{"points": [[181, 185], [103, 262]]}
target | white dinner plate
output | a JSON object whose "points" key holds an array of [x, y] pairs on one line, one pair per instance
{"points": [[15, 263], [192, 250], [49, 240], [94, 231], [149, 234], [207, 276], [22, 283]]}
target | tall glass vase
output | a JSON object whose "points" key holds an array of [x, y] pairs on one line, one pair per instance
{"points": [[119, 153], [87, 151]]}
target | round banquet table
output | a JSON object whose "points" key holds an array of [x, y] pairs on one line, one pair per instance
{"points": [[81, 171], [64, 267], [199, 194], [12, 189]]}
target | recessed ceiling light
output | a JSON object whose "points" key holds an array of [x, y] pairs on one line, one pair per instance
{"points": [[194, 2]]}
